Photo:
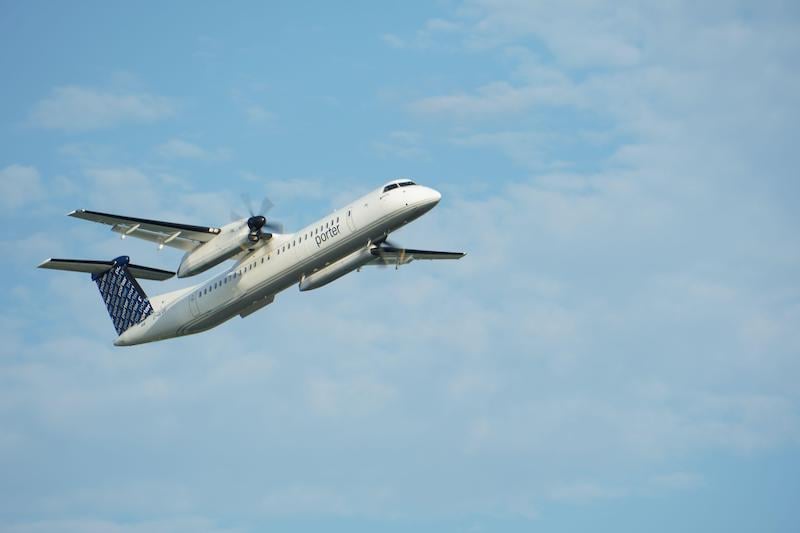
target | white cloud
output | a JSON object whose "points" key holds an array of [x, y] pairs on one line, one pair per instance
{"points": [[494, 98], [124, 187], [544, 86], [180, 149], [583, 492], [19, 186], [166, 525], [287, 189], [428, 36], [678, 480], [393, 40], [404, 144], [258, 114], [298, 499], [529, 149], [351, 396], [75, 108], [32, 248], [579, 34]]}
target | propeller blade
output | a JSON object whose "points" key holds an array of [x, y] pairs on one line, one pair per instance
{"points": [[382, 264], [266, 205], [274, 226], [257, 221], [248, 203], [387, 244]]}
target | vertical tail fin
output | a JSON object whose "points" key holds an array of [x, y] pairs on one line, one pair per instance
{"points": [[126, 301]]}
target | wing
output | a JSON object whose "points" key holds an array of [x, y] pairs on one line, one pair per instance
{"points": [[183, 236], [388, 255]]}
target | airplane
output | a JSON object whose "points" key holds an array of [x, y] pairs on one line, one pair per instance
{"points": [[267, 261]]}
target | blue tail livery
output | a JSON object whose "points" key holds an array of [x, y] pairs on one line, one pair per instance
{"points": [[125, 300]]}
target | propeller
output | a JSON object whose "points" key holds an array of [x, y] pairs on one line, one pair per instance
{"points": [[258, 222], [386, 243]]}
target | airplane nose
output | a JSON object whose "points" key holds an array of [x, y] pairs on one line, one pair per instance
{"points": [[433, 196]]}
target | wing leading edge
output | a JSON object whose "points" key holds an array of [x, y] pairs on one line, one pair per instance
{"points": [[183, 236]]}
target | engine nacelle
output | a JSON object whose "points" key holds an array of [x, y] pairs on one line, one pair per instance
{"points": [[233, 239], [338, 269]]}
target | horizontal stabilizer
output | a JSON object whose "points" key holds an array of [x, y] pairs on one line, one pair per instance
{"points": [[98, 267]]}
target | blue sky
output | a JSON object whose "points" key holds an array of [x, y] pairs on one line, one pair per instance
{"points": [[618, 351]]}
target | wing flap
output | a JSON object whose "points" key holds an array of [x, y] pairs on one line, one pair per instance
{"points": [[183, 236], [98, 267], [388, 255]]}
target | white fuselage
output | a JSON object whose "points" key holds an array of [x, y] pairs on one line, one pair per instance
{"points": [[279, 263]]}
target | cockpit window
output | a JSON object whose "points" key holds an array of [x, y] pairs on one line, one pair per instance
{"points": [[390, 187], [407, 183]]}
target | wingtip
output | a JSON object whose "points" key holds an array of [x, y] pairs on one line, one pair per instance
{"points": [[43, 263], [75, 212]]}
